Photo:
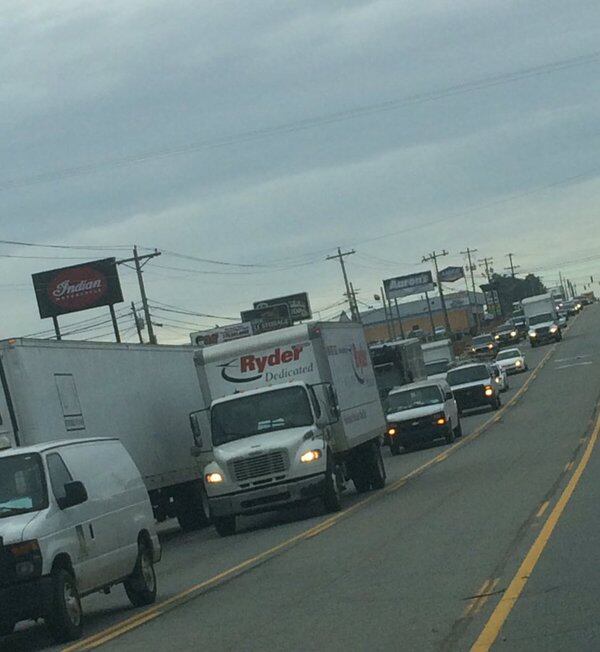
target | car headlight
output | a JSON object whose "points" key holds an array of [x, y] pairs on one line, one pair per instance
{"points": [[473, 349], [440, 419], [489, 390], [532, 334], [513, 333], [553, 329], [214, 478], [392, 431], [496, 337], [490, 346], [311, 456], [517, 363]]}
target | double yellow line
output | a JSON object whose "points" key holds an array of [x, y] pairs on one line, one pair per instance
{"points": [[165, 606]]}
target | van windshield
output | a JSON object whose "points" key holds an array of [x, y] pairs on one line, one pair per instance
{"points": [[482, 339], [437, 367], [259, 413], [414, 398], [22, 485], [467, 375], [540, 319]]}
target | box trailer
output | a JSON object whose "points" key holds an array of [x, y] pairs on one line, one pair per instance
{"points": [[438, 357], [295, 413], [142, 394], [542, 319], [397, 363]]}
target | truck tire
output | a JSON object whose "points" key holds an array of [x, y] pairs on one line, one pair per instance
{"points": [[496, 404], [449, 435], [140, 586], [331, 496], [458, 430], [225, 525], [395, 447], [193, 512], [7, 626], [378, 474], [65, 619]]}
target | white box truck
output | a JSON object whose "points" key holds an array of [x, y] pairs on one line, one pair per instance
{"points": [[438, 357], [295, 413], [542, 319], [141, 394]]}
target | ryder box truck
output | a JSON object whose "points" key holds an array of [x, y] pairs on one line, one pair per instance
{"points": [[141, 394], [294, 414]]}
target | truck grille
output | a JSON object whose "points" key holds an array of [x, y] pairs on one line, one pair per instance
{"points": [[544, 330], [256, 466]]}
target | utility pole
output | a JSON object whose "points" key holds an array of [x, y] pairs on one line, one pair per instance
{"points": [[467, 252], [562, 285], [138, 268], [433, 256], [512, 266], [486, 262], [340, 256], [136, 319], [354, 292]]}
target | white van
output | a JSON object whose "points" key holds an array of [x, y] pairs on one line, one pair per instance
{"points": [[75, 518], [421, 412]]}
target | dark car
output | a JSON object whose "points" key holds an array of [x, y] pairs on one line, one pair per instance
{"points": [[473, 386], [507, 335], [520, 325], [484, 346]]}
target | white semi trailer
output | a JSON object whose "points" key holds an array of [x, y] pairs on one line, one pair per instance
{"points": [[141, 394], [295, 414]]}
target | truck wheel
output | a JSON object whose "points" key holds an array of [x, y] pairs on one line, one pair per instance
{"points": [[458, 430], [140, 586], [378, 474], [7, 626], [65, 619], [331, 497], [449, 435], [225, 525], [193, 511], [395, 447], [496, 404]]}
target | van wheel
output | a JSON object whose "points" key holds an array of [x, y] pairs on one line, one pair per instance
{"points": [[449, 435], [7, 626], [65, 619], [331, 497], [140, 586], [395, 447], [225, 525], [378, 474], [458, 430]]}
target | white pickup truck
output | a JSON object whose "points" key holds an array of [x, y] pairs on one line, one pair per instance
{"points": [[294, 414]]}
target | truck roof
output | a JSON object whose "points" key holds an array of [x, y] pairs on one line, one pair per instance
{"points": [[420, 383], [536, 298], [409, 341], [438, 344], [15, 342], [49, 445]]}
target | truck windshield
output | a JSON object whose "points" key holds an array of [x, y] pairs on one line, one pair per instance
{"points": [[467, 375], [540, 319], [247, 416], [22, 485], [482, 339], [414, 398], [437, 367]]}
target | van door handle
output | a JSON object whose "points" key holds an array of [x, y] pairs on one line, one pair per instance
{"points": [[92, 531]]}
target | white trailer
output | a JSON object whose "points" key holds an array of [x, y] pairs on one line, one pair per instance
{"points": [[438, 356], [141, 394], [295, 413], [542, 319]]}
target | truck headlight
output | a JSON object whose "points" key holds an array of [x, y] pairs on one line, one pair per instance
{"points": [[496, 337], [490, 346], [517, 363], [27, 559], [392, 430], [310, 456], [553, 329], [440, 419], [489, 390], [513, 333], [214, 478], [532, 334]]}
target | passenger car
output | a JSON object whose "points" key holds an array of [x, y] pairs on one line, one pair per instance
{"points": [[512, 361], [473, 386], [506, 335], [421, 412], [484, 346], [75, 518], [500, 377]]}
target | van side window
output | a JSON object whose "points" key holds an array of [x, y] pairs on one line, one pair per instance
{"points": [[59, 475]]}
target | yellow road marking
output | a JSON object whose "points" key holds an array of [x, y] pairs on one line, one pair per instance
{"points": [[484, 598], [473, 603], [496, 621], [542, 509], [159, 609], [570, 465]]}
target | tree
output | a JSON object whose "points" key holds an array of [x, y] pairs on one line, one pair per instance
{"points": [[511, 289]]}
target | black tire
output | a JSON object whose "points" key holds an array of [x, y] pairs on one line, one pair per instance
{"points": [[7, 626], [65, 619], [533, 345], [496, 404], [378, 474], [193, 512], [225, 525], [140, 586], [449, 437], [458, 430], [395, 447], [331, 495]]}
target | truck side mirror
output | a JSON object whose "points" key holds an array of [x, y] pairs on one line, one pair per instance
{"points": [[200, 445], [75, 494]]}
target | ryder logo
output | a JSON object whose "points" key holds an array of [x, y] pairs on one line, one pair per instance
{"points": [[360, 360], [251, 367]]}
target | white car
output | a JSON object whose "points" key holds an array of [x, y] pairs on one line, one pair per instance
{"points": [[421, 412], [512, 361], [75, 518], [500, 377]]}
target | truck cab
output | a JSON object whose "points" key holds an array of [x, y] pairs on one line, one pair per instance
{"points": [[543, 328]]}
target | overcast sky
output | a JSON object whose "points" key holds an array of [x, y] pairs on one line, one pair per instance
{"points": [[270, 132]]}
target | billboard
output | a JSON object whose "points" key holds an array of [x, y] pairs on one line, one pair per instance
{"points": [[451, 274], [267, 319], [298, 303], [404, 286], [221, 334], [79, 287]]}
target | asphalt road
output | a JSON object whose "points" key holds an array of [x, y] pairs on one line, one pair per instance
{"points": [[421, 565]]}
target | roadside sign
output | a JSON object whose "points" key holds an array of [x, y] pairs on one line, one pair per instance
{"points": [[451, 274], [298, 303], [270, 318], [221, 334], [404, 286]]}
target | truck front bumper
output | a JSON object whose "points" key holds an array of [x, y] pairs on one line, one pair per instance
{"points": [[271, 498], [25, 600]]}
